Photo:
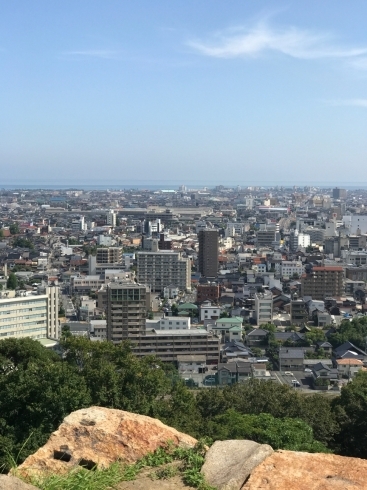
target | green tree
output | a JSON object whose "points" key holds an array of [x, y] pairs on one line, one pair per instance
{"points": [[20, 352], [354, 331], [257, 352], [22, 242], [14, 228], [34, 401], [179, 410], [12, 281], [281, 433], [174, 310], [351, 409], [269, 327], [65, 331], [314, 336], [115, 377], [212, 402], [256, 397], [61, 311]]}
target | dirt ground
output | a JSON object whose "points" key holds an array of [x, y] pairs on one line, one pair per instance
{"points": [[147, 481]]}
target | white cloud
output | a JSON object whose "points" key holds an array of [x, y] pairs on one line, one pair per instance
{"points": [[349, 102], [290, 41]]}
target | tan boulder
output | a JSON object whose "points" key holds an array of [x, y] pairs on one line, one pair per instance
{"points": [[8, 482], [229, 463], [288, 470], [100, 436]]}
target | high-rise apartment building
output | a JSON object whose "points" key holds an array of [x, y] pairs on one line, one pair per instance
{"points": [[322, 282], [109, 255], [264, 307], [126, 310], [339, 193], [265, 238], [162, 269], [208, 252], [111, 218], [126, 320], [31, 315]]}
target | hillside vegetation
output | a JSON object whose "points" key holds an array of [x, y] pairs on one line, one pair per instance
{"points": [[38, 388]]}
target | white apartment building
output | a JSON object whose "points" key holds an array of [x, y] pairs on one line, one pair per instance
{"points": [[93, 282], [226, 243], [78, 224], [234, 228], [259, 268], [356, 224], [98, 329], [31, 315], [290, 268], [170, 292], [169, 323], [299, 240], [111, 218], [355, 257], [162, 269], [209, 312], [264, 307]]}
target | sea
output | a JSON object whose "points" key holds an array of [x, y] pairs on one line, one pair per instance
{"points": [[170, 185]]}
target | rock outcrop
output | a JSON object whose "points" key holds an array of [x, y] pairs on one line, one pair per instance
{"points": [[288, 470], [100, 436], [229, 463], [8, 482]]}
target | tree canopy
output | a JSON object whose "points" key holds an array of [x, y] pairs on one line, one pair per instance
{"points": [[12, 281], [39, 387]]}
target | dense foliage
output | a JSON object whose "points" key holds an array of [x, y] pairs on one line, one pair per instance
{"points": [[354, 331], [38, 388]]}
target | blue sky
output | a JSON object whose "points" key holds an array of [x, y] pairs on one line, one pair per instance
{"points": [[183, 90]]}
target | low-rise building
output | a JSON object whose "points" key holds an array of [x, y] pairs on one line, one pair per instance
{"points": [[207, 292], [167, 345], [209, 312], [291, 358], [348, 367]]}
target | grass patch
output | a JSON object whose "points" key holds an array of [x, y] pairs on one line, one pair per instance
{"points": [[104, 479], [165, 473]]}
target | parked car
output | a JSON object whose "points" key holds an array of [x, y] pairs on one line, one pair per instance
{"points": [[209, 380], [295, 383], [288, 373], [308, 370]]}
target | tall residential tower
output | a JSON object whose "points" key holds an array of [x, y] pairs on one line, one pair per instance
{"points": [[208, 252]]}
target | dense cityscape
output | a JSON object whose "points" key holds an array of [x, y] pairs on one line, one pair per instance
{"points": [[226, 283], [183, 245]]}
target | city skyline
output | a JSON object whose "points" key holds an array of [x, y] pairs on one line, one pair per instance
{"points": [[110, 92]]}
